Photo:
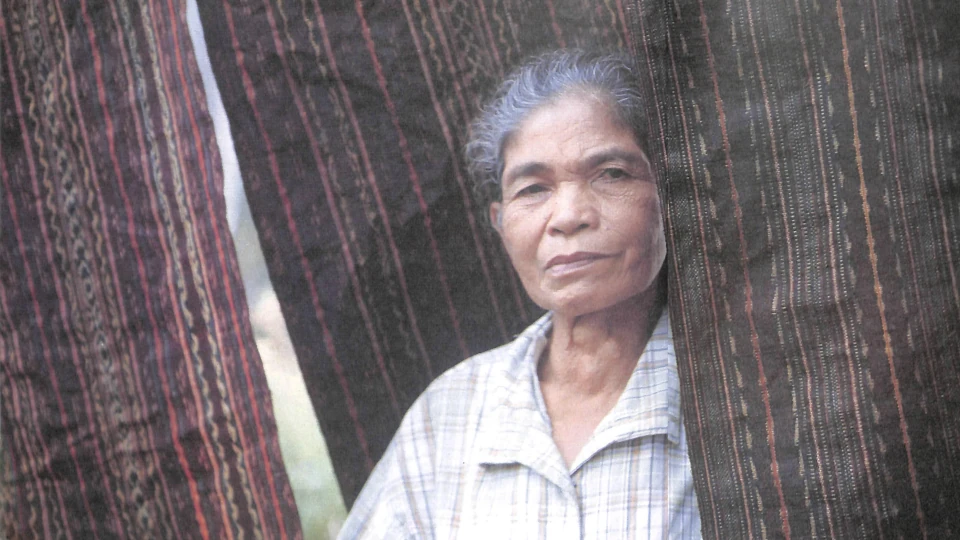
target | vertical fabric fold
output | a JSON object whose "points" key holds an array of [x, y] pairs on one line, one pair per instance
{"points": [[809, 166], [134, 403]]}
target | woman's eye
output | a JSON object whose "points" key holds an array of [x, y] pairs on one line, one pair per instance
{"points": [[532, 189], [615, 173]]}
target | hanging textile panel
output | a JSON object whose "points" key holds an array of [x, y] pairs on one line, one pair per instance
{"points": [[134, 404], [809, 159], [349, 120]]}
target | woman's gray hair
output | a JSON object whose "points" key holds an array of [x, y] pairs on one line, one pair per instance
{"points": [[538, 82]]}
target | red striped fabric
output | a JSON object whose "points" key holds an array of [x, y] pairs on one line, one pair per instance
{"points": [[813, 209], [134, 404], [349, 119]]}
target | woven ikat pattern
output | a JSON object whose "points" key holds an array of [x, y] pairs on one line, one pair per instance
{"points": [[808, 152], [134, 404]]}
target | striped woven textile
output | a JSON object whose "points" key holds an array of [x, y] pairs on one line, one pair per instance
{"points": [[349, 119], [809, 158], [134, 404]]}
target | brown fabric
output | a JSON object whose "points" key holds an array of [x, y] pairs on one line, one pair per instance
{"points": [[134, 404], [349, 118], [809, 163]]}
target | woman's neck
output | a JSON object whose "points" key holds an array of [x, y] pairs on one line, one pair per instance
{"points": [[588, 363], [597, 352]]}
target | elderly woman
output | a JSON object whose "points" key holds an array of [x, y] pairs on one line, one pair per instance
{"points": [[573, 430]]}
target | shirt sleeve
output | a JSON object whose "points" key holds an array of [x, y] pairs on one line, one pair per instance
{"points": [[393, 504]]}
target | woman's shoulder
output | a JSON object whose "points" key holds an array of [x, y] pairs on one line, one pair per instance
{"points": [[460, 393], [422, 467], [499, 361]]}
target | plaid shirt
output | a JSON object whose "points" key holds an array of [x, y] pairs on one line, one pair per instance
{"points": [[474, 458]]}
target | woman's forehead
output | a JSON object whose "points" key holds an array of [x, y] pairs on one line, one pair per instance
{"points": [[575, 130]]}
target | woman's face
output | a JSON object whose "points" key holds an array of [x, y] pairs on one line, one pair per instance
{"points": [[580, 216]]}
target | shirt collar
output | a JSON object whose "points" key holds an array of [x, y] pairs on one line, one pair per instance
{"points": [[516, 428]]}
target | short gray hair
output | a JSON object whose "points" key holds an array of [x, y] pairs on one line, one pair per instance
{"points": [[538, 82]]}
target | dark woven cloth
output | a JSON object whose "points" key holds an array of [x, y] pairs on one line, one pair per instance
{"points": [[134, 404], [349, 119], [808, 152]]}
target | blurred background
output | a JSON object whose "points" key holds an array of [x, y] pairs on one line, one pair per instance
{"points": [[305, 454]]}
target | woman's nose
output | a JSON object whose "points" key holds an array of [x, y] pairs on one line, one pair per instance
{"points": [[574, 209]]}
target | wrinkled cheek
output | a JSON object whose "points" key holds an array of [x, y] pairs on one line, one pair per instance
{"points": [[658, 249], [650, 257], [529, 278]]}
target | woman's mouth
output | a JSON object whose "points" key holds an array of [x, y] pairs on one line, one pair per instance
{"points": [[565, 264]]}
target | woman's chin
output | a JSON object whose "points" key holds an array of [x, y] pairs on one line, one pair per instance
{"points": [[587, 304], [592, 301]]}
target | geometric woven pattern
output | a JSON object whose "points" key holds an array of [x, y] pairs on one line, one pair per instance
{"points": [[134, 404], [808, 153]]}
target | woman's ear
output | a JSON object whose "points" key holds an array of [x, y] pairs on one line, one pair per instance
{"points": [[496, 216]]}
